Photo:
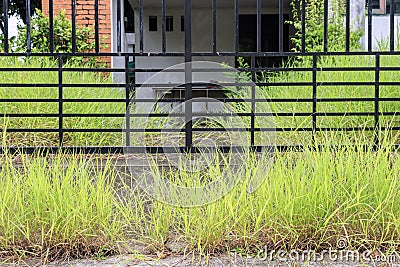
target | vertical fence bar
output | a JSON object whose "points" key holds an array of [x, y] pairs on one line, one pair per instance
{"points": [[258, 26], [347, 25], [391, 25], [236, 34], [281, 25], [51, 28], [163, 27], [376, 101], [314, 97], [141, 26], [369, 26], [60, 101], [73, 18], [127, 102], [303, 26], [214, 26], [188, 75], [326, 7], [28, 26], [96, 26], [5, 12], [119, 24], [253, 103]]}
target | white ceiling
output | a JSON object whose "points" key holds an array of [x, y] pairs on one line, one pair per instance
{"points": [[208, 3]]}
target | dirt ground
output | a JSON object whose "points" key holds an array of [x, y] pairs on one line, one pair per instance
{"points": [[220, 260]]}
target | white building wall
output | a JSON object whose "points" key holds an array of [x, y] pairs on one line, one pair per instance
{"points": [[201, 36], [117, 62], [381, 31]]}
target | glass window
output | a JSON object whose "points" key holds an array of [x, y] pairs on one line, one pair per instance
{"points": [[377, 6], [169, 24], [153, 23], [396, 6]]}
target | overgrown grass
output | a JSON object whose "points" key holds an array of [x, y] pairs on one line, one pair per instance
{"points": [[64, 206], [325, 91], [308, 200], [270, 92], [55, 206], [41, 79]]}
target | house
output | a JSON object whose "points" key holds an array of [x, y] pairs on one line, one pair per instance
{"points": [[122, 17]]}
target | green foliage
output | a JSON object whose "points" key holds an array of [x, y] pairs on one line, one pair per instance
{"points": [[11, 40], [40, 37], [314, 22]]}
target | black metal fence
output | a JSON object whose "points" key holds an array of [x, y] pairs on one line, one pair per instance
{"points": [[313, 109]]}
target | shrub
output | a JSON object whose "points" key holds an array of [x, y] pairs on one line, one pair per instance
{"points": [[62, 27], [314, 35]]}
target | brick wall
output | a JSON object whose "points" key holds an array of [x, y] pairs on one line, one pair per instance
{"points": [[85, 16]]}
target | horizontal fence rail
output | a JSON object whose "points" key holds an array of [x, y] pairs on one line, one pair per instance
{"points": [[51, 102]]}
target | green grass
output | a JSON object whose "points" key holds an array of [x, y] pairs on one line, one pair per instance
{"points": [[308, 199], [46, 76], [337, 92], [99, 138], [55, 207]]}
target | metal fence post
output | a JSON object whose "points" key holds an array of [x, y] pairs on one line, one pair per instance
{"points": [[314, 97], [60, 101], [188, 75], [376, 101]]}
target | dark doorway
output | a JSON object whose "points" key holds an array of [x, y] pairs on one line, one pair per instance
{"points": [[269, 37]]}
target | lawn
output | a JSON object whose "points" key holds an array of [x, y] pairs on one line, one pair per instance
{"points": [[47, 74], [325, 74]]}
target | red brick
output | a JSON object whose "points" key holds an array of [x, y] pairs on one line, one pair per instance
{"points": [[82, 12], [85, 16]]}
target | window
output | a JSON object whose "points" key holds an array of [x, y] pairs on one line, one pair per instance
{"points": [[396, 6], [129, 16], [153, 23], [377, 6], [182, 23], [169, 24], [383, 6]]}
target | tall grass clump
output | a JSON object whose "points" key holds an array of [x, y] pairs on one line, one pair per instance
{"points": [[309, 200], [54, 207]]}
